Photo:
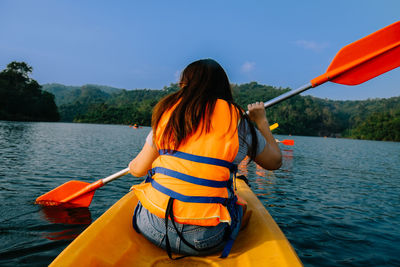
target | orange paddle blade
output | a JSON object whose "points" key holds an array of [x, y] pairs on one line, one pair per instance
{"points": [[58, 195], [287, 142], [365, 59]]}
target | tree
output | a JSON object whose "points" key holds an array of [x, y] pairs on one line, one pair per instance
{"points": [[19, 68], [379, 126], [21, 97]]}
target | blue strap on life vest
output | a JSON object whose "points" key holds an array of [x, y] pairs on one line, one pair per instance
{"points": [[191, 179], [184, 198], [134, 223], [199, 159], [236, 216], [227, 248]]}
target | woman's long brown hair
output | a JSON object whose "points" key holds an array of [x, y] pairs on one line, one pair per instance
{"points": [[202, 83]]}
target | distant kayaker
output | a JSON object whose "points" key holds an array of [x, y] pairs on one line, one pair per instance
{"points": [[199, 136]]}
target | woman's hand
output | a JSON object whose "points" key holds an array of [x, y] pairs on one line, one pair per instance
{"points": [[270, 158], [257, 112]]}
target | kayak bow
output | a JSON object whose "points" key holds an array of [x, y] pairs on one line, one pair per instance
{"points": [[112, 241]]}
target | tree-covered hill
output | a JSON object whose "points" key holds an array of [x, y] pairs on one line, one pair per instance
{"points": [[307, 115], [21, 98], [101, 104], [383, 126], [68, 94], [300, 115]]}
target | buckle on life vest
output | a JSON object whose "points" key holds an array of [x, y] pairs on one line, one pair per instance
{"points": [[149, 176], [233, 168]]}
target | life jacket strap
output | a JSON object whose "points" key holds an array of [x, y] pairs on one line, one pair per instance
{"points": [[199, 159], [170, 213], [191, 179], [134, 223], [185, 198], [227, 248], [167, 243]]}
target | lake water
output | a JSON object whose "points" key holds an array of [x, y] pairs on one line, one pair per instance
{"points": [[336, 200]]}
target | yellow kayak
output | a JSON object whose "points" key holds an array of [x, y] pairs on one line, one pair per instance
{"points": [[112, 241]]}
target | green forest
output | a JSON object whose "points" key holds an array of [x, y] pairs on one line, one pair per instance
{"points": [[22, 98], [373, 119]]}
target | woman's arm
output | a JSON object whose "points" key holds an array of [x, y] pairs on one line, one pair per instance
{"points": [[270, 158], [140, 165]]}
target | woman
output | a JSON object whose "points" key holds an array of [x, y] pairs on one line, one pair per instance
{"points": [[199, 135]]}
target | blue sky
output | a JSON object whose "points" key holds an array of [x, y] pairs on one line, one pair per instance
{"points": [[145, 44]]}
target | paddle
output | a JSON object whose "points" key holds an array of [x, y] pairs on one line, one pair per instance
{"points": [[358, 62], [76, 193], [273, 126], [288, 142]]}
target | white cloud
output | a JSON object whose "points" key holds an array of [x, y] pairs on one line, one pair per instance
{"points": [[311, 45], [248, 66]]}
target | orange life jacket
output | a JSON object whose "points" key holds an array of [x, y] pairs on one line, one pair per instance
{"points": [[198, 175]]}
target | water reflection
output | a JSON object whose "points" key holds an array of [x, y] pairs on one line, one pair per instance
{"points": [[287, 165], [270, 186], [64, 215], [242, 167], [261, 179], [15, 142], [261, 172], [287, 154], [15, 132], [68, 234], [287, 160], [75, 217]]}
